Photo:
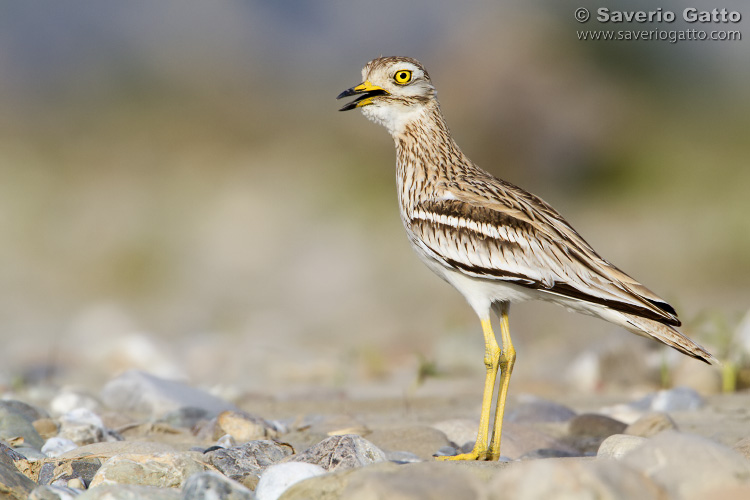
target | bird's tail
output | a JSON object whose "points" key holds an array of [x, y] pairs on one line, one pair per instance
{"points": [[667, 335]]}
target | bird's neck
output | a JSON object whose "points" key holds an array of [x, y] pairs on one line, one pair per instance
{"points": [[426, 156]]}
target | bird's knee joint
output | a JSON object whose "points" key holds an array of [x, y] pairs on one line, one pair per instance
{"points": [[492, 359], [508, 357]]}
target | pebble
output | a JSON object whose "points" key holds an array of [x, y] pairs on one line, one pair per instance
{"points": [[533, 410], [16, 427], [418, 439], [341, 452], [110, 449], [677, 399], [164, 470], [130, 492], [547, 453], [424, 481], [520, 439], [447, 451], [704, 379], [459, 431], [82, 426], [403, 457], [278, 478], [61, 472], [595, 426], [665, 401], [686, 464], [618, 445], [243, 427], [69, 400], [246, 462], [140, 392], [572, 478], [56, 446], [13, 484], [46, 427], [28, 411], [30, 454], [587, 431], [54, 492], [187, 417], [211, 485], [651, 424]]}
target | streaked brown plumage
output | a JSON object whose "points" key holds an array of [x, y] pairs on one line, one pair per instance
{"points": [[493, 241]]}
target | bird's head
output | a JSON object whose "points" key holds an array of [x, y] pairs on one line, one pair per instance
{"points": [[395, 91]]}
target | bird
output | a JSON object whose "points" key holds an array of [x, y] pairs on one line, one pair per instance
{"points": [[492, 241]]}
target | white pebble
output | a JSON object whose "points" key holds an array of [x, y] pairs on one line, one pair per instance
{"points": [[278, 478], [82, 416], [56, 446]]}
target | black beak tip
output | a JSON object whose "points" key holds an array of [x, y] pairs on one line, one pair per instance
{"points": [[346, 93]]}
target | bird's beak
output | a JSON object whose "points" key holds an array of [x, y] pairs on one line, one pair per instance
{"points": [[366, 91]]}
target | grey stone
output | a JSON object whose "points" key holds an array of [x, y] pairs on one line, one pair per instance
{"points": [[448, 451], [57, 471], [9, 456], [247, 461], [30, 453], [595, 425], [548, 453], [421, 440], [459, 431], [211, 485], [54, 492], [651, 424], [163, 470], [13, 484], [687, 464], [141, 392], [587, 431], [534, 410], [572, 478], [28, 411], [341, 452], [276, 479], [130, 492], [187, 416], [520, 439], [618, 445], [15, 424]]}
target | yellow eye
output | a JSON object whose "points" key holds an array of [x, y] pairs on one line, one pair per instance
{"points": [[402, 77]]}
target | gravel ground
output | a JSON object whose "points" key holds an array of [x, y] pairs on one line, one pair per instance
{"points": [[143, 436]]}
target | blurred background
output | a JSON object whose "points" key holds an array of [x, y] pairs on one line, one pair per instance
{"points": [[178, 192]]}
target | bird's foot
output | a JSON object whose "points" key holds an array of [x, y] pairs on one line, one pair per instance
{"points": [[472, 455]]}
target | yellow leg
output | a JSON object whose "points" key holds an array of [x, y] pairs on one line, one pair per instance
{"points": [[492, 360], [507, 360]]}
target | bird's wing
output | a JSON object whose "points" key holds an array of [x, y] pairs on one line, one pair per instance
{"points": [[511, 235]]}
